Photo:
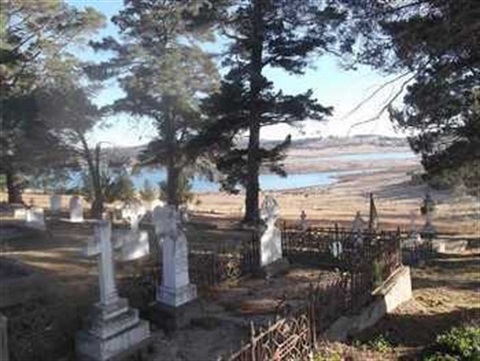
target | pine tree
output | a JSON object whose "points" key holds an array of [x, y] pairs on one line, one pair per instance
{"points": [[434, 45], [263, 33], [162, 70]]}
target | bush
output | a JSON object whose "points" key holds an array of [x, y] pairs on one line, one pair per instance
{"points": [[380, 344], [460, 343]]}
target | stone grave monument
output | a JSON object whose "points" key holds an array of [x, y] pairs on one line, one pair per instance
{"points": [[134, 242], [55, 203], [76, 210], [34, 218], [303, 224], [114, 329], [176, 298], [271, 256], [359, 225]]}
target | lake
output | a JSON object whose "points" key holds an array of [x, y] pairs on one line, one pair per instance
{"points": [[267, 181], [271, 181]]}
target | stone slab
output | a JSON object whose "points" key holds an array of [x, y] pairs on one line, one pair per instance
{"points": [[118, 347], [169, 318]]}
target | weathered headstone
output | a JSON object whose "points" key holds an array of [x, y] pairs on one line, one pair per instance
{"points": [[55, 203], [134, 242], [358, 224], [336, 248], [76, 210], [35, 218], [175, 295], [20, 213], [271, 255], [114, 328], [303, 224]]}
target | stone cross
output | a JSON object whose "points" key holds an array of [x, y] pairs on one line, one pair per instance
{"points": [[114, 328], [76, 210], [176, 288], [271, 239], [303, 221], [101, 246]]}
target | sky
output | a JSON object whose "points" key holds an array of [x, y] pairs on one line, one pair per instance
{"points": [[331, 85]]}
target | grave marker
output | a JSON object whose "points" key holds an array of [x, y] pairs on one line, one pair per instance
{"points": [[76, 210]]}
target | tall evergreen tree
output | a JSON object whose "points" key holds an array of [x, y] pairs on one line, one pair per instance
{"points": [[263, 33], [163, 72], [435, 44], [39, 93]]}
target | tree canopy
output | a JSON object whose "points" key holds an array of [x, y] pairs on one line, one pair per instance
{"points": [[263, 34], [434, 45], [163, 72], [40, 96]]}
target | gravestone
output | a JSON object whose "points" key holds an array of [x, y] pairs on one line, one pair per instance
{"points": [[175, 304], [303, 224], [34, 218], [55, 203], [20, 213], [271, 256], [114, 329], [76, 210], [336, 248], [134, 242], [358, 224]]}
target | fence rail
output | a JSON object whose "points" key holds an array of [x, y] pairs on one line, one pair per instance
{"points": [[367, 263]]}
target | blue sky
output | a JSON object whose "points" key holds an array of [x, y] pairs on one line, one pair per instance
{"points": [[332, 86]]}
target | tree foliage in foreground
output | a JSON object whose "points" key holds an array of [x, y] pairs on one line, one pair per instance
{"points": [[40, 96], [263, 34], [437, 44]]}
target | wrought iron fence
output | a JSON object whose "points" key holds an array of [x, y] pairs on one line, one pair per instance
{"points": [[374, 260]]}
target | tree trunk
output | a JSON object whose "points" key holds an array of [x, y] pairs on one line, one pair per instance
{"points": [[252, 215], [14, 187], [173, 170]]}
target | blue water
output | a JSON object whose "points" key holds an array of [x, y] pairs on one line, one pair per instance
{"points": [[270, 181], [267, 181]]}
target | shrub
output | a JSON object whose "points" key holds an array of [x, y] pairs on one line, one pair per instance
{"points": [[460, 343], [380, 344]]}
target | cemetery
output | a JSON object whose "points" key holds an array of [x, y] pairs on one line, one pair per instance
{"points": [[142, 285], [249, 180]]}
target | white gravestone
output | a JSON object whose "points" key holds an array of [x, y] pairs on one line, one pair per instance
{"points": [[271, 239], [20, 213], [114, 327], [336, 248], [134, 242], [34, 218], [176, 288], [358, 227], [55, 203], [76, 210]]}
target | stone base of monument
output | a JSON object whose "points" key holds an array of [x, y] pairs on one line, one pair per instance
{"points": [[276, 268], [114, 332], [174, 311]]}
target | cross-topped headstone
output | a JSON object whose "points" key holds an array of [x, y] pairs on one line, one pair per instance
{"points": [[176, 288], [114, 327], [303, 221], [101, 246]]}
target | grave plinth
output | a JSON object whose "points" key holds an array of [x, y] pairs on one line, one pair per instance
{"points": [[176, 298], [113, 328]]}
